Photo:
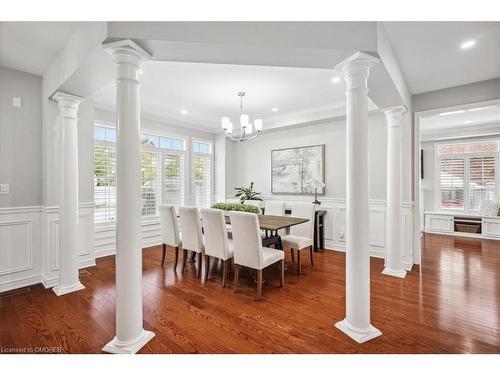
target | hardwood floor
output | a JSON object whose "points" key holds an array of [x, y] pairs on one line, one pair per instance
{"points": [[450, 305]]}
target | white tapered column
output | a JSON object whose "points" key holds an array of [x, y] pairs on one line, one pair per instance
{"points": [[68, 194], [393, 227], [357, 321], [130, 335]]}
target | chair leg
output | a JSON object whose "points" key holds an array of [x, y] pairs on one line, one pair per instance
{"points": [[293, 256], [282, 269], [164, 253], [184, 259], [298, 262], [259, 284], [198, 274], [236, 276], [224, 271], [176, 257], [207, 267], [311, 253]]}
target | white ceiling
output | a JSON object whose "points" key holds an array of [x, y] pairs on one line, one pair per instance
{"points": [[209, 91], [32, 46], [463, 119], [429, 52]]}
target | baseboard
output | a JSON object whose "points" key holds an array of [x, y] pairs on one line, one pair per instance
{"points": [[20, 283]]}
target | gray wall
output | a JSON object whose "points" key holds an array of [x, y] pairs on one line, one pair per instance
{"points": [[252, 160], [21, 138], [459, 95]]}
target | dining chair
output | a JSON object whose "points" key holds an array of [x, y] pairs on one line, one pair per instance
{"points": [[192, 236], [248, 249], [274, 208], [217, 244], [302, 235], [169, 231]]}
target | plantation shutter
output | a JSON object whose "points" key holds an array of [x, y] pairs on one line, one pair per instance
{"points": [[482, 180], [173, 179], [150, 182], [105, 183], [452, 174], [202, 180]]}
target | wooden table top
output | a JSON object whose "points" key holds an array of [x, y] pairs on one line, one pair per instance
{"points": [[271, 222]]}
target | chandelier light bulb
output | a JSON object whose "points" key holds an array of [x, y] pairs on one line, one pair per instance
{"points": [[248, 129], [258, 125], [244, 120], [230, 127], [225, 123]]}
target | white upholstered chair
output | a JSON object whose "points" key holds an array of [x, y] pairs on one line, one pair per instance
{"points": [[248, 249], [192, 236], [169, 231], [217, 244], [301, 236], [274, 208]]}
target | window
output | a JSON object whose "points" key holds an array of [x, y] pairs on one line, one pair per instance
{"points": [[202, 174], [162, 172], [467, 174]]}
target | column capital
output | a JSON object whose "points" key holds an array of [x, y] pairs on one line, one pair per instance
{"points": [[68, 103], [356, 69], [128, 57], [394, 115]]}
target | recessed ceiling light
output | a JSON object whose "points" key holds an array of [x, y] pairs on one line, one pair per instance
{"points": [[336, 79], [184, 111], [478, 109], [451, 113], [468, 122], [468, 44], [275, 109]]}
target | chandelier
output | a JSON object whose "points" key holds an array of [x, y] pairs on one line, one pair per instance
{"points": [[247, 130]]}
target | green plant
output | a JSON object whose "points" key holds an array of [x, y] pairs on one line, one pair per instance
{"points": [[236, 207], [247, 194]]}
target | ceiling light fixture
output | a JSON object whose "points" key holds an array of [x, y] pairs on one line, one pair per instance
{"points": [[247, 131], [275, 109], [184, 111], [336, 79], [451, 113], [468, 44], [468, 122], [478, 109]]}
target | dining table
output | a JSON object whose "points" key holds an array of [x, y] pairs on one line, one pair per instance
{"points": [[271, 224]]}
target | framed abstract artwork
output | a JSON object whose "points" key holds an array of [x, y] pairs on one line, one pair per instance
{"points": [[298, 170]]}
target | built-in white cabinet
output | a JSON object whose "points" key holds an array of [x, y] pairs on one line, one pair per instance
{"points": [[439, 223], [487, 226], [491, 227]]}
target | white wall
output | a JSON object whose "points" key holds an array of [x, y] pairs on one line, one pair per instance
{"points": [[252, 160], [21, 138]]}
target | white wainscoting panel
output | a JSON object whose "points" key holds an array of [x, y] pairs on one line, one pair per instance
{"points": [[50, 264], [335, 225], [20, 240]]}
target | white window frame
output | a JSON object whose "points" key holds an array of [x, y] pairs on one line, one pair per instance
{"points": [[185, 153], [466, 156], [210, 156]]}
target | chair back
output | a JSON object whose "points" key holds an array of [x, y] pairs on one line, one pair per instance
{"points": [[169, 225], [306, 211], [215, 233], [192, 237], [276, 208], [247, 240]]}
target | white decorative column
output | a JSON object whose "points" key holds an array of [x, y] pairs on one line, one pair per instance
{"points": [[393, 227], [68, 194], [130, 335], [357, 321]]}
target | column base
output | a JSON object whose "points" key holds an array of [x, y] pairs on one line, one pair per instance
{"points": [[60, 290], [358, 336], [396, 273], [128, 347]]}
